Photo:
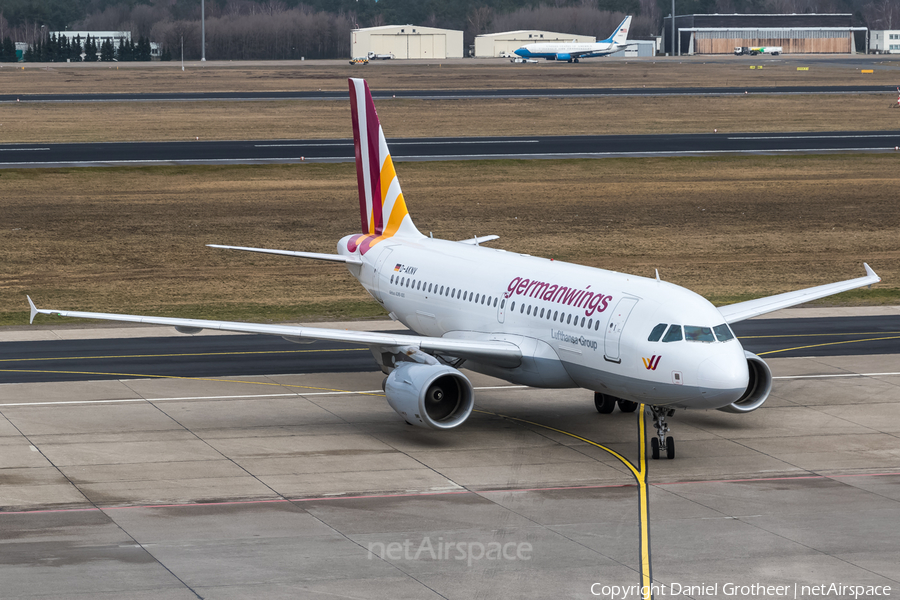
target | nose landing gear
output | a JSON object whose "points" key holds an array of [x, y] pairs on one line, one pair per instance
{"points": [[661, 442]]}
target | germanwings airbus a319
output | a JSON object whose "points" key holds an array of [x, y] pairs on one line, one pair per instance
{"points": [[573, 51], [528, 320]]}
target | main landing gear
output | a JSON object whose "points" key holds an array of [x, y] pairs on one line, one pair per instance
{"points": [[606, 404], [661, 442]]}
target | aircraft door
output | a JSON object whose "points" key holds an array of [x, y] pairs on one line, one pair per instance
{"points": [[615, 327], [376, 277], [501, 310]]}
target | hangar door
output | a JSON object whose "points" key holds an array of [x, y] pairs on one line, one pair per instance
{"points": [[427, 46]]}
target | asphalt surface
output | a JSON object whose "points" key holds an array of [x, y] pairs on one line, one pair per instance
{"points": [[246, 355], [447, 94], [341, 150]]}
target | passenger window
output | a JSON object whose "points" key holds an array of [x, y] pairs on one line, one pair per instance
{"points": [[590, 322], [692, 333], [529, 310], [392, 279], [542, 313], [429, 288], [582, 321], [453, 293], [522, 309], [723, 332], [674, 334], [569, 320], [419, 286], [657, 332], [597, 325], [555, 314], [502, 303], [441, 293], [512, 307]]}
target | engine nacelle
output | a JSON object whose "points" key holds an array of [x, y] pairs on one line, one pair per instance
{"points": [[758, 388], [563, 57], [431, 396]]}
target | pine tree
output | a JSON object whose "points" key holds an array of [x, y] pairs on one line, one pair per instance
{"points": [[143, 51], [107, 50], [76, 50], [8, 53], [90, 49]]}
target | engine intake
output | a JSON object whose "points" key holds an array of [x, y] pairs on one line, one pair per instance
{"points": [[430, 396], [758, 388]]}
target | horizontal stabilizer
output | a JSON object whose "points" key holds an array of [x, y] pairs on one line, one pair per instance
{"points": [[315, 255], [480, 240], [754, 308]]}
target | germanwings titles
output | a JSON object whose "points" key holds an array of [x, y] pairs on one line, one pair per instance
{"points": [[532, 321]]}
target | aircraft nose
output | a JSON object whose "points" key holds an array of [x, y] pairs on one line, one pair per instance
{"points": [[723, 378], [520, 52]]}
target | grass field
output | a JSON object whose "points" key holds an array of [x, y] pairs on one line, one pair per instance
{"points": [[697, 71], [159, 121], [132, 239]]}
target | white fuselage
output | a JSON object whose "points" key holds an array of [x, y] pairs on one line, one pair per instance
{"points": [[568, 50], [577, 326]]}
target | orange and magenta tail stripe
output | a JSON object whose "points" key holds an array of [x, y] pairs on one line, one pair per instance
{"points": [[382, 209]]}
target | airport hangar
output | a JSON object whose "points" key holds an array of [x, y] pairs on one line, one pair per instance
{"points": [[407, 41], [796, 33]]}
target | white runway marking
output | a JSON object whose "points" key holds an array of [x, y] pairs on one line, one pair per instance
{"points": [[838, 375], [235, 397]]}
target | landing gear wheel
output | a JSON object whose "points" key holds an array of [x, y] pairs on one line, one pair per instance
{"points": [[661, 442], [627, 406], [605, 404]]}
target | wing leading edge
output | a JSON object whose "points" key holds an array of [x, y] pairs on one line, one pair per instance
{"points": [[753, 308], [499, 353]]}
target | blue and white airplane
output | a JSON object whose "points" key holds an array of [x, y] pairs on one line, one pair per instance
{"points": [[573, 51], [531, 321]]}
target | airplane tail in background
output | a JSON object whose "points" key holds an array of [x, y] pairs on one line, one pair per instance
{"points": [[382, 209], [621, 33]]}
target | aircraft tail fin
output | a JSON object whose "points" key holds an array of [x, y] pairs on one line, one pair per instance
{"points": [[620, 35], [382, 209]]}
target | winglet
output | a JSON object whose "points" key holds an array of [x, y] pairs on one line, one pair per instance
{"points": [[34, 310], [870, 272]]}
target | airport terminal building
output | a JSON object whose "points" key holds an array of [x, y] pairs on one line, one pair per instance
{"points": [[796, 33], [407, 41]]}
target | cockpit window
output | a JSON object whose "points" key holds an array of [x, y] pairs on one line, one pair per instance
{"points": [[692, 333], [673, 334], [723, 332], [657, 332]]}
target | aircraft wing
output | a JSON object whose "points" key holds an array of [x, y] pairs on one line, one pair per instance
{"points": [[500, 353], [316, 255], [753, 308]]}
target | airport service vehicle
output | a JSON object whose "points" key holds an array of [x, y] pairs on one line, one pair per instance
{"points": [[575, 51], [743, 50], [529, 320], [359, 60], [521, 60], [373, 56]]}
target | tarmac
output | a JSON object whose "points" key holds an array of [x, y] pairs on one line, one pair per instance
{"points": [[310, 486]]}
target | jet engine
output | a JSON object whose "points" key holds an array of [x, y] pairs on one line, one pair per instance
{"points": [[433, 396], [758, 388], [563, 57]]}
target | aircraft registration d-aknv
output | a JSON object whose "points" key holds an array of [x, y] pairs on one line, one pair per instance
{"points": [[573, 51], [531, 321]]}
